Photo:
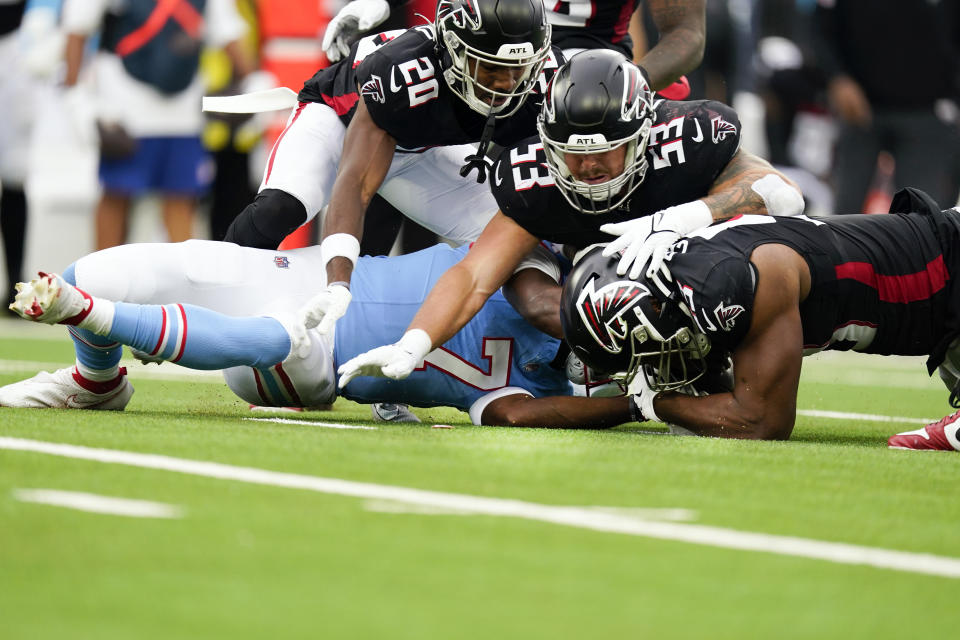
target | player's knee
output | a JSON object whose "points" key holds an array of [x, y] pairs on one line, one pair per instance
{"points": [[266, 221]]}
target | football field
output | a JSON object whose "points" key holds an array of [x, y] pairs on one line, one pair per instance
{"points": [[188, 516]]}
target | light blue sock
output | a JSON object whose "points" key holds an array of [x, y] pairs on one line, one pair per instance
{"points": [[94, 352]]}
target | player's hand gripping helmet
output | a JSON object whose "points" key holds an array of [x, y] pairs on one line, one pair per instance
{"points": [[628, 326], [596, 102], [512, 34]]}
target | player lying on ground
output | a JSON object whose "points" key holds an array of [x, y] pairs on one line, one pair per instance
{"points": [[498, 368], [769, 291], [618, 164]]}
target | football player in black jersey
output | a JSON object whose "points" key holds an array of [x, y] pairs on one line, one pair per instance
{"points": [[607, 160], [396, 118], [577, 25], [770, 290]]}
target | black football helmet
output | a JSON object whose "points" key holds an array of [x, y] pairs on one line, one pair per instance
{"points": [[507, 33], [596, 102], [628, 326]]}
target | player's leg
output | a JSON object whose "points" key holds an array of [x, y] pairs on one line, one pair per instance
{"points": [[297, 179], [429, 189], [192, 336], [943, 435]]}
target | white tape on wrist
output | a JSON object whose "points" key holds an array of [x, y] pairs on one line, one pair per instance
{"points": [[416, 342], [340, 245], [778, 197], [687, 217]]}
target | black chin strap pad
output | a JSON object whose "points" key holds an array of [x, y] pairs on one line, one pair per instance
{"points": [[478, 160]]}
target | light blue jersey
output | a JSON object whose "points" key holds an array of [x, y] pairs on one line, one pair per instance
{"points": [[497, 349]]}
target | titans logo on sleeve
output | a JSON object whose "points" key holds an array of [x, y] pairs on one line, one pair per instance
{"points": [[690, 144]]}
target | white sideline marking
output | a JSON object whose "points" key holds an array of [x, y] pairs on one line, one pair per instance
{"points": [[98, 504], [635, 513], [328, 425], [568, 516], [841, 415]]}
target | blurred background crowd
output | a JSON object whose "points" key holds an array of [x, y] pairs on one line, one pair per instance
{"points": [[851, 98]]}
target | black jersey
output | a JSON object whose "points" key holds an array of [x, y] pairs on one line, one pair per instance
{"points": [[398, 75], [879, 284], [690, 144], [11, 15], [592, 24]]}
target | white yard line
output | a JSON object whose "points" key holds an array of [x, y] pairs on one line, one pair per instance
{"points": [[567, 516], [99, 504], [310, 423], [871, 417]]}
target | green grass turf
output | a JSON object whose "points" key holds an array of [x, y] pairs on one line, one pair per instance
{"points": [[251, 561]]}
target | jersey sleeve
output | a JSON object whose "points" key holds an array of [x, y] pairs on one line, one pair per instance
{"points": [[719, 125], [722, 300], [522, 184]]}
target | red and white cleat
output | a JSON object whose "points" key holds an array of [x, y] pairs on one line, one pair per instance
{"points": [[51, 300], [937, 436]]}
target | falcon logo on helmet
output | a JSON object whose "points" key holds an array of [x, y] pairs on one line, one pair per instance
{"points": [[602, 311]]}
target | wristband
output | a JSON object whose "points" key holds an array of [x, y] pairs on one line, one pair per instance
{"points": [[340, 245], [340, 283]]}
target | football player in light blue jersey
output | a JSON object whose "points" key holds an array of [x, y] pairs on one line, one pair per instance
{"points": [[199, 304]]}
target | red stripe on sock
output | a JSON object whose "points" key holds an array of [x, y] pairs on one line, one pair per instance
{"points": [[163, 331], [183, 334]]}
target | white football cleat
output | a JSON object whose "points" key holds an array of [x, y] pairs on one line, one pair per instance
{"points": [[392, 412], [51, 299], [65, 389]]}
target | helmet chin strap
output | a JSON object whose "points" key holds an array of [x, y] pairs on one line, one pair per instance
{"points": [[478, 160]]}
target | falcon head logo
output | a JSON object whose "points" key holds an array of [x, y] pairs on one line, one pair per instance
{"points": [[463, 13], [720, 129], [727, 316], [602, 312]]}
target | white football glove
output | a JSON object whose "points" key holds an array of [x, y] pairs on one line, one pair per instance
{"points": [[650, 237], [324, 309], [395, 361], [355, 17], [641, 400]]}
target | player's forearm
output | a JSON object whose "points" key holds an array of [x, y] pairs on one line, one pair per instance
{"points": [[536, 297], [454, 300], [722, 416], [682, 27], [750, 185], [563, 412]]}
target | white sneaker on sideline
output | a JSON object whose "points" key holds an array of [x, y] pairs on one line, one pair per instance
{"points": [[392, 412], [62, 390]]}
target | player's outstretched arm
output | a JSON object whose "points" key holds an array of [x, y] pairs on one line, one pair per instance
{"points": [[559, 412], [683, 27], [454, 300], [766, 365], [367, 153]]}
